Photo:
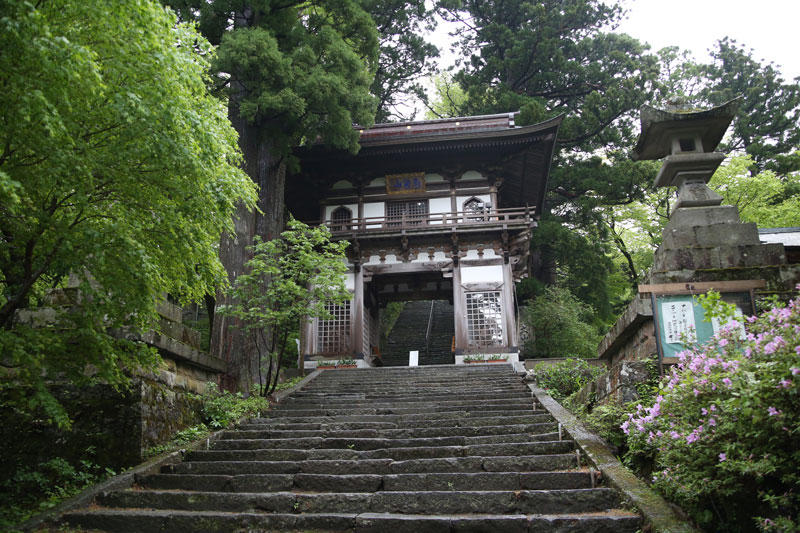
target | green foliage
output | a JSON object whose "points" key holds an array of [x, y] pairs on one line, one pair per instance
{"points": [[558, 326], [293, 278], [178, 441], [724, 433], [765, 198], [388, 317], [35, 489], [768, 122], [565, 377], [300, 71], [405, 57], [223, 409], [118, 168]]}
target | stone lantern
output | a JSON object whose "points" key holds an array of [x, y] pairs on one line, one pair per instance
{"points": [[702, 237], [686, 141]]}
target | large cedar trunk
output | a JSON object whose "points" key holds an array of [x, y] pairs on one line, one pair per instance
{"points": [[228, 341]]}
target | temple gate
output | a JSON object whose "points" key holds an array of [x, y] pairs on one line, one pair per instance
{"points": [[433, 210]]}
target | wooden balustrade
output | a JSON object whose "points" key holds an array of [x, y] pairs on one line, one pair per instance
{"points": [[516, 217]]}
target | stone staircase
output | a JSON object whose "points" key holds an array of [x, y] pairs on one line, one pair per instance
{"points": [[409, 331], [439, 449]]}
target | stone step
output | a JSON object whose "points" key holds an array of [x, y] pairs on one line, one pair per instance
{"points": [[333, 431], [399, 421], [476, 395], [441, 448], [500, 409], [336, 403], [474, 481], [407, 502], [510, 463], [156, 521], [373, 443], [396, 453]]}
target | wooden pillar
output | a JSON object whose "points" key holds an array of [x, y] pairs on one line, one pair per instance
{"points": [[453, 203], [459, 311], [509, 316], [357, 313], [493, 196], [360, 214]]}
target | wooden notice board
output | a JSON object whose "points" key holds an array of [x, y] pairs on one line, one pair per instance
{"points": [[678, 317]]}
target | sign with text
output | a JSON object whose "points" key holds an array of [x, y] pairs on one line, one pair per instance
{"points": [[405, 183], [681, 319]]}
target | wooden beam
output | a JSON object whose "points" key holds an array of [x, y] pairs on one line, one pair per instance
{"points": [[406, 268], [703, 286]]}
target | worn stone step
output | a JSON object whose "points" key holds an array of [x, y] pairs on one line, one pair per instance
{"points": [[407, 502], [482, 395], [332, 430], [375, 443], [397, 453], [400, 387], [157, 521], [511, 463], [457, 418], [500, 409], [480, 481], [401, 404]]}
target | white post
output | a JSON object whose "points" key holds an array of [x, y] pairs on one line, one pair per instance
{"points": [[413, 358]]}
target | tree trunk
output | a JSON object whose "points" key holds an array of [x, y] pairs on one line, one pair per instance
{"points": [[228, 341]]}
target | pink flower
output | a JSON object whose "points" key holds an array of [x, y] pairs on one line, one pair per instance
{"points": [[722, 342], [712, 422], [772, 411], [785, 384], [796, 370], [722, 457], [726, 381]]}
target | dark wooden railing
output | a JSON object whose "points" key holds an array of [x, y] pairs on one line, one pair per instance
{"points": [[515, 217]]}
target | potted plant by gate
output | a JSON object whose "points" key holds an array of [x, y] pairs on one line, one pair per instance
{"points": [[496, 358], [346, 363], [323, 365], [469, 359]]}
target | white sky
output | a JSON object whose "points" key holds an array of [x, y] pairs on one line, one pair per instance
{"points": [[769, 27]]}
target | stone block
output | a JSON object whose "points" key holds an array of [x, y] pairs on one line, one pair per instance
{"points": [[686, 259], [690, 217], [726, 235]]}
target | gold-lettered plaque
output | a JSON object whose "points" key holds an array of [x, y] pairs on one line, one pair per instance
{"points": [[405, 183]]}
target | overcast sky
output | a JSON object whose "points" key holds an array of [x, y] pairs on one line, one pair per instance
{"points": [[770, 27]]}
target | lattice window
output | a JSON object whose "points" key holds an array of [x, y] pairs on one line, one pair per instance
{"points": [[333, 335], [474, 210], [341, 219], [412, 212], [484, 318]]}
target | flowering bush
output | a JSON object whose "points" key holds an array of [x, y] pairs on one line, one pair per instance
{"points": [[724, 432]]}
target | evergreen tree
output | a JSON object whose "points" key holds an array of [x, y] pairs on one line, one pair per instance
{"points": [[555, 57], [295, 73]]}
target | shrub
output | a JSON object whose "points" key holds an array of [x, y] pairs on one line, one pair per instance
{"points": [[223, 409], [565, 377], [558, 326], [724, 433]]}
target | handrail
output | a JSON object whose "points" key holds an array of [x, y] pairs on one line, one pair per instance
{"points": [[516, 216], [428, 332]]}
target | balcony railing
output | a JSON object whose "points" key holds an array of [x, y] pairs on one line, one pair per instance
{"points": [[500, 218]]}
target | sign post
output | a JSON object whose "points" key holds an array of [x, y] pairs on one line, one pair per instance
{"points": [[678, 318]]}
